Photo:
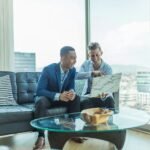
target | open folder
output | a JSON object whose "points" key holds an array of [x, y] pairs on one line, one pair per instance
{"points": [[105, 84]]}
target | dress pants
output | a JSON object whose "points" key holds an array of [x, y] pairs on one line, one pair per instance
{"points": [[98, 102], [42, 104]]}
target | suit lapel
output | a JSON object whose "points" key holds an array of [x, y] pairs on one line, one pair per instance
{"points": [[58, 75]]}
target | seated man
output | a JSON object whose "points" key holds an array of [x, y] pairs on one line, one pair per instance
{"points": [[93, 67], [56, 88]]}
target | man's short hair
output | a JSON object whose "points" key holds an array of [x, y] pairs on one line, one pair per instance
{"points": [[93, 46], [65, 50]]}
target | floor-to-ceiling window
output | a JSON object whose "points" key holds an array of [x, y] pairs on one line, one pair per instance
{"points": [[42, 27], [122, 27]]}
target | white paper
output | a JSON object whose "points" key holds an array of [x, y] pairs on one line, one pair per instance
{"points": [[105, 84]]}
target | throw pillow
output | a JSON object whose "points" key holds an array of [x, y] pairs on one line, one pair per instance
{"points": [[6, 95]]}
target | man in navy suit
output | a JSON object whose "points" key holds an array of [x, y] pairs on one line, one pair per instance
{"points": [[56, 88]]}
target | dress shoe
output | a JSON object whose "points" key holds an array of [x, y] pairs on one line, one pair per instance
{"points": [[39, 144]]}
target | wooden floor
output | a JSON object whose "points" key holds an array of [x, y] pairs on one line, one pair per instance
{"points": [[25, 141]]}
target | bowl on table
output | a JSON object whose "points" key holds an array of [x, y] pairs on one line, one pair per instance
{"points": [[96, 116]]}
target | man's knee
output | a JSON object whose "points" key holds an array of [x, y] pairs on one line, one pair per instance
{"points": [[76, 101], [74, 105], [77, 98], [42, 102], [110, 102]]}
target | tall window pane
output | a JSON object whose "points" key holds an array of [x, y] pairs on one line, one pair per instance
{"points": [[44, 26], [123, 30]]}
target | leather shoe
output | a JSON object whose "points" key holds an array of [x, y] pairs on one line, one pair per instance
{"points": [[39, 144]]}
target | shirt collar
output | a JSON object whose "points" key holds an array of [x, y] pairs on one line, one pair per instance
{"points": [[62, 71], [101, 65]]}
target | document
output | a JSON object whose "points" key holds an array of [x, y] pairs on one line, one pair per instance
{"points": [[105, 84]]}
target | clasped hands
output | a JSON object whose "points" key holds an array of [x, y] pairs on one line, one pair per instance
{"points": [[67, 96]]}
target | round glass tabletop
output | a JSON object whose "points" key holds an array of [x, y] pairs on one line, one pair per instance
{"points": [[125, 119]]}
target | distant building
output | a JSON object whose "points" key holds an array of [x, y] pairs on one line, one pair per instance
{"points": [[25, 62], [143, 98], [128, 89], [143, 81]]}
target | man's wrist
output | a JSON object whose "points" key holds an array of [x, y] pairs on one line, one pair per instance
{"points": [[57, 97]]}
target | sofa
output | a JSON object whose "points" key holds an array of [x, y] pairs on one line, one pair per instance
{"points": [[16, 118]]}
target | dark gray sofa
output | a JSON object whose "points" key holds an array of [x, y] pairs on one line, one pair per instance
{"points": [[15, 119]]}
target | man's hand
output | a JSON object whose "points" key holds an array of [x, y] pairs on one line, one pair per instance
{"points": [[67, 96], [64, 96], [97, 73], [71, 95]]}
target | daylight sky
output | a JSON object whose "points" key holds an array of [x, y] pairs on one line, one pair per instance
{"points": [[122, 27]]}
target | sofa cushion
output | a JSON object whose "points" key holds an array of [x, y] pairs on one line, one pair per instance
{"points": [[26, 86], [14, 114], [6, 96], [31, 106], [52, 111]]}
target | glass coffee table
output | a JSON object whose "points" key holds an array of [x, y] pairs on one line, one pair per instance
{"points": [[62, 127]]}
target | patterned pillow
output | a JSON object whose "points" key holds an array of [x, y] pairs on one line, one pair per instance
{"points": [[6, 96]]}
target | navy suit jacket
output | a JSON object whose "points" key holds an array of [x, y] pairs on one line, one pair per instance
{"points": [[50, 81]]}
